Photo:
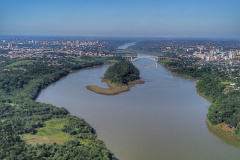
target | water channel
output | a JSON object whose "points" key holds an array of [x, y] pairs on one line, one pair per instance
{"points": [[163, 119]]}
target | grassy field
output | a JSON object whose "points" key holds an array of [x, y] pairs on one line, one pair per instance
{"points": [[112, 61], [165, 61], [51, 133], [19, 63], [108, 91]]}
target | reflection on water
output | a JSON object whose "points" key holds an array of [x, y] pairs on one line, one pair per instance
{"points": [[161, 119]]}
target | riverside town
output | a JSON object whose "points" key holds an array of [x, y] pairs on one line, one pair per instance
{"points": [[119, 80], [30, 64]]}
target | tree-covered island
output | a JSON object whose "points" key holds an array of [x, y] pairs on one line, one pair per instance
{"points": [[120, 78]]}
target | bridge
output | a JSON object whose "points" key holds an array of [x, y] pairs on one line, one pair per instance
{"points": [[133, 58]]}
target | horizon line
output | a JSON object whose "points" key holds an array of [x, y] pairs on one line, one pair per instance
{"points": [[147, 37]]}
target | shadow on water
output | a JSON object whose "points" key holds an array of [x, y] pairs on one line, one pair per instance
{"points": [[228, 140], [94, 130]]}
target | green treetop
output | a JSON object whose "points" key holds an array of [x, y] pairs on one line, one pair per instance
{"points": [[122, 73]]}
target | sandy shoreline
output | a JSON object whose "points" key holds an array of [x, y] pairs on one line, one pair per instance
{"points": [[113, 88]]}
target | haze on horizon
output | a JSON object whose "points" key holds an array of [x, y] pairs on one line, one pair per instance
{"points": [[133, 18]]}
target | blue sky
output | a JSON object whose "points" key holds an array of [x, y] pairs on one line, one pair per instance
{"points": [[127, 18]]}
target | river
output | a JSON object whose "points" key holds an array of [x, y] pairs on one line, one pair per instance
{"points": [[163, 119]]}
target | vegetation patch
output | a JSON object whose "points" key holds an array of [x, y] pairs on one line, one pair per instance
{"points": [[224, 129], [226, 82], [167, 60], [20, 63], [112, 61], [61, 130], [108, 91], [51, 133], [11, 104]]}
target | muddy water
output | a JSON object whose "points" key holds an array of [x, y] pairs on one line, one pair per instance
{"points": [[163, 119]]}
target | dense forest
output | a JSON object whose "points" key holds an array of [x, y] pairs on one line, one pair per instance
{"points": [[24, 123], [214, 82], [122, 73]]}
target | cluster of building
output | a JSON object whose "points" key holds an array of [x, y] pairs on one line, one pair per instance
{"points": [[221, 52], [52, 48], [13, 44], [216, 54], [213, 51]]}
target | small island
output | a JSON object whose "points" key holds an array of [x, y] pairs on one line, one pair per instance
{"points": [[120, 78]]}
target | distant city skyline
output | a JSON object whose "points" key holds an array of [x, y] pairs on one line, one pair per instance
{"points": [[117, 18]]}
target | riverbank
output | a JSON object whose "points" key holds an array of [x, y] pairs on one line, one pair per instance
{"points": [[188, 77], [50, 130], [175, 73], [221, 128], [113, 89]]}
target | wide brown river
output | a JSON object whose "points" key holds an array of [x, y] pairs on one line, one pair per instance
{"points": [[163, 119]]}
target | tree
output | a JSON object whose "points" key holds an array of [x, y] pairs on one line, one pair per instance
{"points": [[122, 73]]}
